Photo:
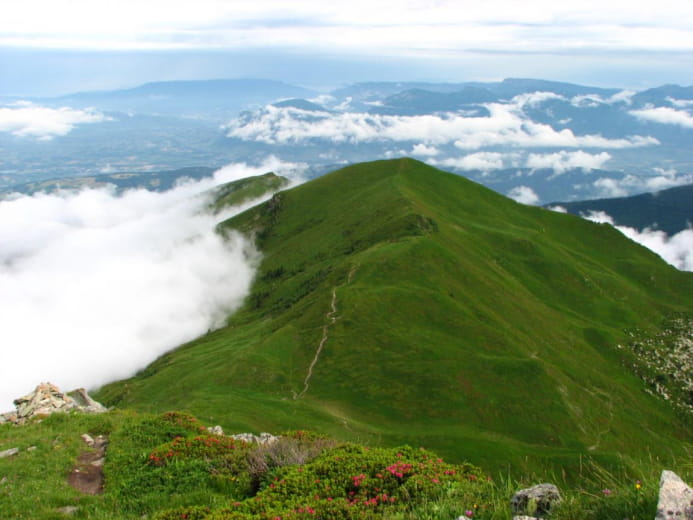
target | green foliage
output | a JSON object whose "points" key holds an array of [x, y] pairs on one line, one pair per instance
{"points": [[332, 480], [243, 190]]}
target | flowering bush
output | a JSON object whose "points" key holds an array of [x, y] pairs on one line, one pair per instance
{"points": [[205, 447]]}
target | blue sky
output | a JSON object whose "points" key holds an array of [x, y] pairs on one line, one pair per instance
{"points": [[56, 46]]}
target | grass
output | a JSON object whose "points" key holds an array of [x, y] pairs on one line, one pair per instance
{"points": [[166, 466], [466, 323]]}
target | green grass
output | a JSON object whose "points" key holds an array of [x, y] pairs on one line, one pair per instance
{"points": [[243, 190], [466, 323], [165, 466]]}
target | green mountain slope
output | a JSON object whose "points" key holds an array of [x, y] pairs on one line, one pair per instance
{"points": [[398, 303]]}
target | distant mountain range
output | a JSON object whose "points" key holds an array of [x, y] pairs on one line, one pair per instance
{"points": [[550, 140]]}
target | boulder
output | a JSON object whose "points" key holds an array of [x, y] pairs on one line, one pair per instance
{"points": [[675, 498], [536, 500]]}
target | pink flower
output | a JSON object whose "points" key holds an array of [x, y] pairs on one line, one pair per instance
{"points": [[469, 513]]}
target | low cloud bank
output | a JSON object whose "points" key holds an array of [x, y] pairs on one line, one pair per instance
{"points": [[95, 286], [628, 184], [506, 125], [24, 119], [665, 115], [677, 249]]}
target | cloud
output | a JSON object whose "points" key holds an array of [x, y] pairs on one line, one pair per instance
{"points": [[484, 161], [628, 184], [664, 115], [406, 27], [562, 161], [595, 100], [524, 195], [506, 125], [96, 286], [676, 250], [680, 103], [424, 150], [609, 187], [25, 119]]}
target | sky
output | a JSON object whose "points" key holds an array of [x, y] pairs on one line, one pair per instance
{"points": [[49, 47]]}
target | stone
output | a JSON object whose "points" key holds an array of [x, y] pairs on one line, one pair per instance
{"points": [[215, 430], [524, 517], [85, 403], [47, 399], [31, 448], [263, 438], [9, 453], [675, 498], [536, 500], [68, 510], [88, 439]]}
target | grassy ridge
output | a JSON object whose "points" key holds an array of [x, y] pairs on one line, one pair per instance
{"points": [[465, 322]]}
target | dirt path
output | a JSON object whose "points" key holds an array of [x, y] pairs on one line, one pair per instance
{"points": [[87, 475], [331, 319]]}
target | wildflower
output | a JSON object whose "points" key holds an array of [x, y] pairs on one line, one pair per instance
{"points": [[469, 513], [606, 492], [638, 484]]}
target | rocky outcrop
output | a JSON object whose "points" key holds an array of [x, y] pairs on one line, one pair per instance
{"points": [[47, 399], [675, 498], [535, 501], [263, 438]]}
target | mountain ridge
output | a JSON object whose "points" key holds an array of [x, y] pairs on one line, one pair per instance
{"points": [[448, 300]]}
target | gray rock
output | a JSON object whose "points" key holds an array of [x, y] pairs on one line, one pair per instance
{"points": [[263, 438], [31, 448], [675, 498], [9, 453], [88, 439], [537, 500], [215, 430], [524, 517]]}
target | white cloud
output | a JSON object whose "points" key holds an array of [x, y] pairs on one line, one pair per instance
{"points": [[484, 161], [404, 26], [424, 150], [534, 99], [96, 286], [628, 184], [29, 120], [665, 115], [558, 209], [680, 103], [595, 100], [677, 250], [563, 161], [506, 125], [524, 194]]}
